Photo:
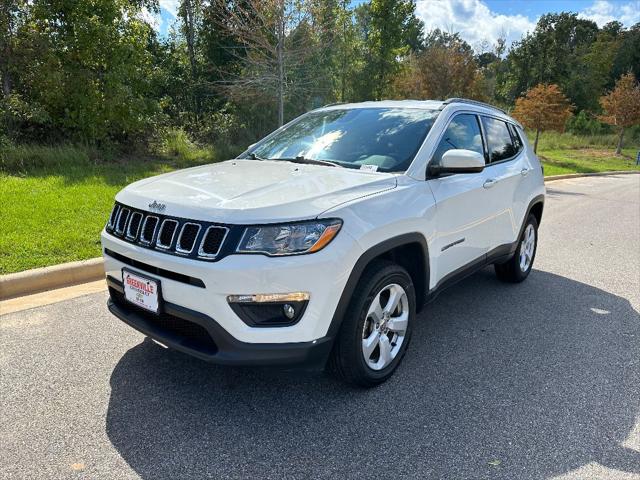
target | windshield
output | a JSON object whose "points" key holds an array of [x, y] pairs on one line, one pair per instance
{"points": [[385, 138]]}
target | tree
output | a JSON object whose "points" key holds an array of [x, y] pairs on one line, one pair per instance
{"points": [[553, 54], [389, 29], [190, 14], [82, 70], [445, 68], [10, 13], [622, 106], [628, 55], [544, 107], [268, 33]]}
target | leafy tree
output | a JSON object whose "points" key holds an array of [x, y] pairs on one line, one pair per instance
{"points": [[11, 17], [628, 55], [544, 107], [445, 68], [89, 68], [336, 55], [190, 14], [622, 106], [597, 63], [387, 28], [586, 124], [553, 53]]}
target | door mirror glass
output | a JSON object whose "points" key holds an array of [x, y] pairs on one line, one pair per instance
{"points": [[459, 161]]}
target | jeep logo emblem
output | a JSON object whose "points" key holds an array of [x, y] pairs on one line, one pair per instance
{"points": [[158, 207]]}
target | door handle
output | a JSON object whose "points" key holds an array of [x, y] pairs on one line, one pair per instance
{"points": [[490, 183], [524, 172]]}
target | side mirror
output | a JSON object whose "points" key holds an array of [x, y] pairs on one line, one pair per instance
{"points": [[459, 161]]}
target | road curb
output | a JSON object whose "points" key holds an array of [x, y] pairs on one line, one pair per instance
{"points": [[49, 278], [597, 174], [74, 273]]}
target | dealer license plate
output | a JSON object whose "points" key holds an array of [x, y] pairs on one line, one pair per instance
{"points": [[141, 291]]}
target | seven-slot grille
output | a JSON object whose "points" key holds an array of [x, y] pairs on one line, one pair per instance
{"points": [[171, 235]]}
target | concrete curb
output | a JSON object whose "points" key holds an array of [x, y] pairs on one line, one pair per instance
{"points": [[73, 273], [597, 174], [49, 278]]}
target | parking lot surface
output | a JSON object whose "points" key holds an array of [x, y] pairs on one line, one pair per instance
{"points": [[535, 380]]}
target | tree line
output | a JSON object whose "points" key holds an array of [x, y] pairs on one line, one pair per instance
{"points": [[229, 71]]}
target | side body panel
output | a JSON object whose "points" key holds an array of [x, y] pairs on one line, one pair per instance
{"points": [[465, 222]]}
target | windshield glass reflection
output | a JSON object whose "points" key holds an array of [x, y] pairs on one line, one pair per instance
{"points": [[387, 138]]}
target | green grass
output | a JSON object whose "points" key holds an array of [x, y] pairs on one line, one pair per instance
{"points": [[559, 162], [54, 201], [563, 153], [560, 141]]}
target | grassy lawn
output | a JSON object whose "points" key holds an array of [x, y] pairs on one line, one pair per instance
{"points": [[53, 213], [55, 201], [587, 160]]}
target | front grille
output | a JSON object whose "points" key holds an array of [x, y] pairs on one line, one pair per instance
{"points": [[149, 229], [134, 226], [167, 232], [213, 238], [123, 217], [184, 237], [187, 237], [113, 216], [190, 334]]}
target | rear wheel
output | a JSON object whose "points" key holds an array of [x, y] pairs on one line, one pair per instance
{"points": [[377, 327], [519, 266]]}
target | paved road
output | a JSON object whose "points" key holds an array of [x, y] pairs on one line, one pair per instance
{"points": [[537, 380]]}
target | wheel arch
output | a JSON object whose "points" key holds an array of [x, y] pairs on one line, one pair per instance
{"points": [[536, 208], [409, 250]]}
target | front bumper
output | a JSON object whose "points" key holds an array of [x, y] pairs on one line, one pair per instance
{"points": [[197, 318], [204, 287], [201, 336]]}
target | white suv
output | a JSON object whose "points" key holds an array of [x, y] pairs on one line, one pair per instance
{"points": [[320, 243]]}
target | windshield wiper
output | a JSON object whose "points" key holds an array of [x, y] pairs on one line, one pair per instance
{"points": [[253, 156], [308, 161]]}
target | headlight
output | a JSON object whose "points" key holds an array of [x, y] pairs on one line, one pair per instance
{"points": [[289, 239]]}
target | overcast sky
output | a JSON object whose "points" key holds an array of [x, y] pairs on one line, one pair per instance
{"points": [[479, 20]]}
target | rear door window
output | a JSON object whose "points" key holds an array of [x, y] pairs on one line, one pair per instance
{"points": [[499, 141]]}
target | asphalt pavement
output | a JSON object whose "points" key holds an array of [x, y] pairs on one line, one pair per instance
{"points": [[536, 380]]}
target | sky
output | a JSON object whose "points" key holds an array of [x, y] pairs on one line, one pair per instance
{"points": [[485, 20]]}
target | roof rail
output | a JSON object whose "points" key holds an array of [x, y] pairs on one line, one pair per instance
{"points": [[333, 104], [472, 102]]}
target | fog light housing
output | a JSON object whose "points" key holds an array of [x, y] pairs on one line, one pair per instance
{"points": [[269, 310], [289, 311]]}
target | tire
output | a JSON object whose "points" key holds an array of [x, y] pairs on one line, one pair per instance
{"points": [[518, 267], [380, 281]]}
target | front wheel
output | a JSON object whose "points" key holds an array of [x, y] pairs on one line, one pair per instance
{"points": [[377, 326], [519, 266]]}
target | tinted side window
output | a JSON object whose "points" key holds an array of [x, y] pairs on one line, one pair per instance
{"points": [[463, 132], [517, 141], [499, 140]]}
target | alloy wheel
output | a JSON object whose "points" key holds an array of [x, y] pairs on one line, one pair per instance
{"points": [[527, 247], [385, 326]]}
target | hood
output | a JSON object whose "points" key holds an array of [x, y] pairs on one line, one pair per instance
{"points": [[252, 191]]}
